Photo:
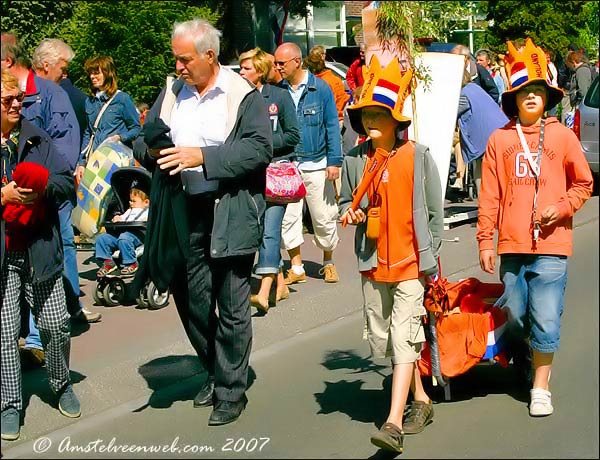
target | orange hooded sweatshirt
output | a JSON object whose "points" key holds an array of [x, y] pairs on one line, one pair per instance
{"points": [[508, 188]]}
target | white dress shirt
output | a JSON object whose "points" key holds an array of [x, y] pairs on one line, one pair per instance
{"points": [[199, 121]]}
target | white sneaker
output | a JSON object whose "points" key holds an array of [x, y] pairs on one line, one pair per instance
{"points": [[541, 403]]}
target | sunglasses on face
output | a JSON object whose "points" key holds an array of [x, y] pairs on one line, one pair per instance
{"points": [[282, 63], [7, 101]]}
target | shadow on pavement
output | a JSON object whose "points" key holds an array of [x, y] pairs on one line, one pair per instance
{"points": [[89, 274], [349, 396], [78, 328], [371, 405], [175, 378], [481, 380], [349, 359], [35, 382], [383, 455]]}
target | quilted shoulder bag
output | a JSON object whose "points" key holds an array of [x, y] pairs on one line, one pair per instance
{"points": [[284, 183]]}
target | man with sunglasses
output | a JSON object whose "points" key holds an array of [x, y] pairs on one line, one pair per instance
{"points": [[31, 255], [319, 159]]}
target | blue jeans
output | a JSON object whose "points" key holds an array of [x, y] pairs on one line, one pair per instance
{"points": [[269, 255], [70, 273], [126, 243], [33, 339], [534, 288]]}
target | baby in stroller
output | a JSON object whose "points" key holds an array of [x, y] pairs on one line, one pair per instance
{"points": [[124, 238], [119, 248]]}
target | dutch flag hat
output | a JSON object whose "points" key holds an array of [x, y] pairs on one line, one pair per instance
{"points": [[524, 67], [383, 87]]}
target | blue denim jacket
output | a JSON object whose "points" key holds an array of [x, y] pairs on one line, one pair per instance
{"points": [[318, 123], [120, 117]]}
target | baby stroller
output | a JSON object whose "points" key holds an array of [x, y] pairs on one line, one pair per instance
{"points": [[111, 289]]}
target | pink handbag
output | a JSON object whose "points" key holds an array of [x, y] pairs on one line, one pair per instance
{"points": [[284, 183]]}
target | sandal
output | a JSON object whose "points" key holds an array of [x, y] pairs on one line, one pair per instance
{"points": [[389, 437], [108, 267], [129, 269]]}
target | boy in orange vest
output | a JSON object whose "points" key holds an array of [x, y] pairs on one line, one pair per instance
{"points": [[398, 188], [534, 178]]}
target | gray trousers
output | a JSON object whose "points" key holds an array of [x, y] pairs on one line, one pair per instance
{"points": [[222, 342]]}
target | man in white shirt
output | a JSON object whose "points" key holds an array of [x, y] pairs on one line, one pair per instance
{"points": [[208, 208]]}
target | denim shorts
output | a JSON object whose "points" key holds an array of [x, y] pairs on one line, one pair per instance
{"points": [[534, 289]]}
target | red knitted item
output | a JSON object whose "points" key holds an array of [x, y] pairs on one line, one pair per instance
{"points": [[33, 176]]}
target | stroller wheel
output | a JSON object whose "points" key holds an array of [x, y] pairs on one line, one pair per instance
{"points": [[114, 292], [98, 294], [142, 298], [156, 299]]}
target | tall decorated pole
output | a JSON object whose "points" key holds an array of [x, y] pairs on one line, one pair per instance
{"points": [[389, 30], [388, 41]]}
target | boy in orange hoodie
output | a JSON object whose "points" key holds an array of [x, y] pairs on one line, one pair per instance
{"points": [[534, 178]]}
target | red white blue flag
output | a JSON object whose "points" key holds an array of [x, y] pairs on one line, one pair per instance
{"points": [[495, 338], [386, 92], [518, 74]]}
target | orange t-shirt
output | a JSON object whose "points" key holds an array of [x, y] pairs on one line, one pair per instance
{"points": [[336, 84], [397, 243]]}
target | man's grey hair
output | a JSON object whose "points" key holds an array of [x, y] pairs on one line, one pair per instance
{"points": [[11, 48], [461, 49], [51, 50], [205, 35]]}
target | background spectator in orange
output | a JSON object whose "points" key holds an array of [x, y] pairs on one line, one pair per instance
{"points": [[315, 62]]}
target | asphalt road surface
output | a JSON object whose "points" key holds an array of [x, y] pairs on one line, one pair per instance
{"points": [[314, 391]]}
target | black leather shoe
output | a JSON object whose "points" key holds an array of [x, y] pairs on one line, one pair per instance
{"points": [[205, 395], [227, 411]]}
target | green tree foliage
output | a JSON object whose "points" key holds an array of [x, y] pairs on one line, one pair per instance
{"points": [[551, 24], [405, 20], [589, 34], [136, 34], [34, 20]]}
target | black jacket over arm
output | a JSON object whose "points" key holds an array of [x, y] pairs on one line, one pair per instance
{"points": [[238, 164]]}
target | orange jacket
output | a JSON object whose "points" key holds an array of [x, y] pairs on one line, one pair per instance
{"points": [[339, 92], [508, 186]]}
